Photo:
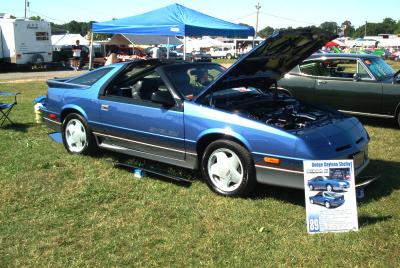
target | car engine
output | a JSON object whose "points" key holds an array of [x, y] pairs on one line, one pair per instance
{"points": [[282, 112]]}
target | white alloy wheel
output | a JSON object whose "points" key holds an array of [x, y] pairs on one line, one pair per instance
{"points": [[225, 169], [75, 135]]}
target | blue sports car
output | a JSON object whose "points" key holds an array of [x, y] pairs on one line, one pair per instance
{"points": [[327, 199], [327, 183], [232, 124]]}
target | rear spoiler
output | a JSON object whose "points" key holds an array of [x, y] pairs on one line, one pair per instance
{"points": [[62, 83]]}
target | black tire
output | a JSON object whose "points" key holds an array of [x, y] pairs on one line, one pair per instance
{"points": [[329, 188], [327, 204], [311, 187], [37, 60], [398, 119], [229, 56], [248, 181], [90, 143]]}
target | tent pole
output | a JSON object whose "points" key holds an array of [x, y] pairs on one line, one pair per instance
{"points": [[184, 47], [90, 52], [168, 47]]}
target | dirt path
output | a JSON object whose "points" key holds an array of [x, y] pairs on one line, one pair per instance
{"points": [[21, 77]]}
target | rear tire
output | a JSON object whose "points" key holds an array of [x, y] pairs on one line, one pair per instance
{"points": [[77, 136], [228, 169], [229, 56]]}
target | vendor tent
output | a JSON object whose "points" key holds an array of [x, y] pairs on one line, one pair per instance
{"points": [[60, 40], [173, 20]]}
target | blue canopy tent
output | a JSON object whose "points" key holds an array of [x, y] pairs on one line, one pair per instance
{"points": [[173, 20]]}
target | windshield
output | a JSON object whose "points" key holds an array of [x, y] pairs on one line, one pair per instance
{"points": [[191, 79], [379, 68]]}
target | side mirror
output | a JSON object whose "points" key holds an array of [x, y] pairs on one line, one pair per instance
{"points": [[356, 77], [163, 97]]}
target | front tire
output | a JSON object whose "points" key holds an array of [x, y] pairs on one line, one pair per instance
{"points": [[327, 204], [76, 135], [398, 119], [228, 169]]}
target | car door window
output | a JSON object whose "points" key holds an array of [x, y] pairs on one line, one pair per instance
{"points": [[339, 68], [362, 72], [140, 88], [143, 88], [311, 68]]}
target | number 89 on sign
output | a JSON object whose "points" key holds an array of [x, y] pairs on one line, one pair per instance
{"points": [[313, 225]]}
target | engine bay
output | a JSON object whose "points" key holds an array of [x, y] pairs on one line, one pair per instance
{"points": [[279, 111]]}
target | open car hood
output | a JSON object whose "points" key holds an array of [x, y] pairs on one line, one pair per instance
{"points": [[270, 60]]}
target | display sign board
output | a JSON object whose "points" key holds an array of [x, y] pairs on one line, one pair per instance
{"points": [[330, 196]]}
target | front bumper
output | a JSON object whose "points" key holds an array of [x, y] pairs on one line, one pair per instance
{"points": [[292, 178]]}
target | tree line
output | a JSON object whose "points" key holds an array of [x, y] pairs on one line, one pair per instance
{"points": [[388, 26]]}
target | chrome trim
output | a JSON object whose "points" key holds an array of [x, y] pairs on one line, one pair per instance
{"points": [[55, 122], [191, 153], [367, 114], [138, 142], [281, 169]]}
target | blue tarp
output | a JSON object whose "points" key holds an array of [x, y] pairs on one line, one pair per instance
{"points": [[173, 20]]}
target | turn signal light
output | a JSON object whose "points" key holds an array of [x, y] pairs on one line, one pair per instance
{"points": [[54, 116], [272, 160]]}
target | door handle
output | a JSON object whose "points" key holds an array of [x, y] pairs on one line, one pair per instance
{"points": [[321, 82], [104, 107]]}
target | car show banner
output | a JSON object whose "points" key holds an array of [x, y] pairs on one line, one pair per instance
{"points": [[330, 196]]}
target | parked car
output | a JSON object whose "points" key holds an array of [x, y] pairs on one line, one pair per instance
{"points": [[228, 123], [200, 56], [327, 199], [352, 83], [328, 184]]}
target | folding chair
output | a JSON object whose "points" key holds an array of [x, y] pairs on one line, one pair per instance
{"points": [[5, 108]]}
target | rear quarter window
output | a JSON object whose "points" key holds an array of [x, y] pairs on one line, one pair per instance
{"points": [[90, 78]]}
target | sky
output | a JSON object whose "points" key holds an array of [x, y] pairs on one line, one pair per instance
{"points": [[277, 14]]}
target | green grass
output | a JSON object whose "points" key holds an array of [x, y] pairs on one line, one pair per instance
{"points": [[60, 210]]}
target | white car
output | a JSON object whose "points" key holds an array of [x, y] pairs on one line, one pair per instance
{"points": [[222, 52]]}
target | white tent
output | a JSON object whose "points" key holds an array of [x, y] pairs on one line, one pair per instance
{"points": [[67, 39], [205, 42]]}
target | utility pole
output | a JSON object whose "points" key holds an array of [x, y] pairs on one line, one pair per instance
{"points": [[26, 5], [365, 29], [258, 11]]}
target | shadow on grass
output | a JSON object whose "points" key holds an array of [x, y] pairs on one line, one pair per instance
{"points": [[368, 220], [18, 127], [378, 122], [388, 182], [158, 167]]}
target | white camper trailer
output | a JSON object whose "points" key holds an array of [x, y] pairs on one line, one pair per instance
{"points": [[25, 42]]}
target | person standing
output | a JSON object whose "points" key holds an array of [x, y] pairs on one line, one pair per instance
{"points": [[76, 55], [155, 52]]}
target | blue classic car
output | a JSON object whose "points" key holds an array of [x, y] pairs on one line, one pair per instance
{"points": [[327, 183], [228, 123], [327, 199]]}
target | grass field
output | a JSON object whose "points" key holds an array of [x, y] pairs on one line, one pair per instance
{"points": [[62, 210]]}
